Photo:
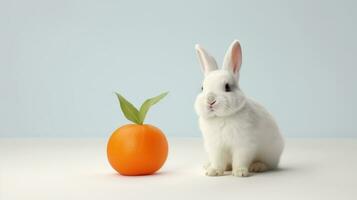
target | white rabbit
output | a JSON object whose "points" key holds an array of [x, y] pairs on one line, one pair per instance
{"points": [[239, 134]]}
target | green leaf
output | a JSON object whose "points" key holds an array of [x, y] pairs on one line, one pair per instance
{"points": [[147, 104], [129, 111]]}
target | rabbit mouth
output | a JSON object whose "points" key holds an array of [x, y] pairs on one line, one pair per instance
{"points": [[211, 108]]}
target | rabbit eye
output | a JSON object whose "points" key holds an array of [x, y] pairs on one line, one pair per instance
{"points": [[227, 88], [201, 88]]}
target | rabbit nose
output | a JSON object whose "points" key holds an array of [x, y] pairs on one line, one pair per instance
{"points": [[211, 103], [211, 100]]}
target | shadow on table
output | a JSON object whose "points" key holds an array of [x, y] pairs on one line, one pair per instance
{"points": [[157, 174], [279, 170], [168, 173]]}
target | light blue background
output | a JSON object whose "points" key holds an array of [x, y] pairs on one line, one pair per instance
{"points": [[61, 61]]}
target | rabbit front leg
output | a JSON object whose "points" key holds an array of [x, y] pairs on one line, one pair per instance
{"points": [[242, 158], [218, 161]]}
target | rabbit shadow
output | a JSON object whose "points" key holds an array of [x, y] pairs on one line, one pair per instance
{"points": [[280, 170]]}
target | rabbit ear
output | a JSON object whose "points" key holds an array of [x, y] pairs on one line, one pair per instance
{"points": [[233, 58], [207, 62]]}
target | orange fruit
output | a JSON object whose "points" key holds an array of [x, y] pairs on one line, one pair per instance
{"points": [[136, 149]]}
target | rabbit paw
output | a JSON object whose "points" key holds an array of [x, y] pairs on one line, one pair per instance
{"points": [[258, 167], [210, 171], [241, 172]]}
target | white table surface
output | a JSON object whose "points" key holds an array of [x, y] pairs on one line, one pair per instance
{"points": [[78, 169]]}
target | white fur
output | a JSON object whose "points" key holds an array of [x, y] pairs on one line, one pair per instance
{"points": [[238, 132]]}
